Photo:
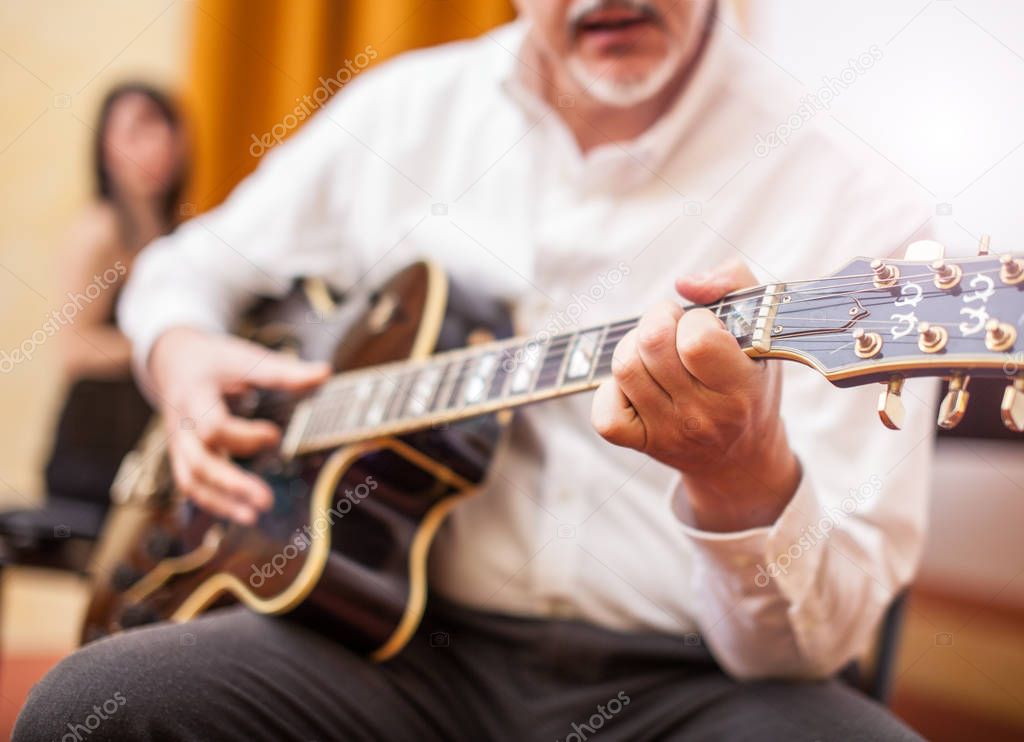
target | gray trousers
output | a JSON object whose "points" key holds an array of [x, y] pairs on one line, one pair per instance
{"points": [[234, 675]]}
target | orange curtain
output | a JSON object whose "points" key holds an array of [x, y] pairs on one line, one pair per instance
{"points": [[258, 67]]}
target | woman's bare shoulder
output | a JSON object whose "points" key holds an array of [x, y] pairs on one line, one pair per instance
{"points": [[95, 231]]}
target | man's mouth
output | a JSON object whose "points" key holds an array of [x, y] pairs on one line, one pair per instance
{"points": [[615, 21]]}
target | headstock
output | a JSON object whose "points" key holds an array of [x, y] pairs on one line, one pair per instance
{"points": [[882, 321]]}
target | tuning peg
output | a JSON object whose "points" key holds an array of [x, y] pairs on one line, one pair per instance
{"points": [[1012, 408], [983, 244], [954, 404], [890, 404], [925, 250], [931, 338], [886, 275], [947, 275], [1011, 269], [999, 336], [866, 344]]}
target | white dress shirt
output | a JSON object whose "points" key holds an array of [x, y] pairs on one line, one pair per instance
{"points": [[446, 153]]}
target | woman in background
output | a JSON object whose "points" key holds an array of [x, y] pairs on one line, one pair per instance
{"points": [[139, 156]]}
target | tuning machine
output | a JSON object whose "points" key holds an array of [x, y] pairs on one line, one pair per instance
{"points": [[890, 404], [1012, 408], [1011, 270], [954, 404]]}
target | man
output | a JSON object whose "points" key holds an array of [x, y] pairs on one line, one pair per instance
{"points": [[701, 579]]}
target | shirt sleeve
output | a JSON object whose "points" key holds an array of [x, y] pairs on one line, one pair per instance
{"points": [[278, 224], [804, 596]]}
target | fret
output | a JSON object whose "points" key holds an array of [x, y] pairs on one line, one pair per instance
{"points": [[598, 344], [555, 351], [448, 376], [454, 399], [378, 402], [502, 374], [333, 408], [580, 360], [527, 363], [360, 402], [423, 391], [325, 413], [477, 384], [313, 420], [537, 366], [560, 379], [399, 395], [615, 332], [739, 314]]}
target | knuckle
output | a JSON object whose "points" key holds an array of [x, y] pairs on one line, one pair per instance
{"points": [[210, 428], [626, 364], [697, 346], [605, 425], [656, 333]]}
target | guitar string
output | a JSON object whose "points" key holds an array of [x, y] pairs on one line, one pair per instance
{"points": [[338, 397], [334, 387], [342, 384], [513, 342], [346, 380], [429, 411], [866, 286]]}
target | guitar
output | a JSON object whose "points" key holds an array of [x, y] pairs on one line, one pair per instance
{"points": [[372, 461]]}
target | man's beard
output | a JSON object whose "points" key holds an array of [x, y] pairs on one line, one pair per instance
{"points": [[621, 93], [625, 93]]}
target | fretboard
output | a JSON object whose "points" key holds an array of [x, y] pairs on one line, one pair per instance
{"points": [[447, 387]]}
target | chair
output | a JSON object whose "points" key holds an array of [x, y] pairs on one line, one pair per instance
{"points": [[875, 678]]}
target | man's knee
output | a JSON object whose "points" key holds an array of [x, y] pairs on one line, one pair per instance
{"points": [[781, 710], [84, 697]]}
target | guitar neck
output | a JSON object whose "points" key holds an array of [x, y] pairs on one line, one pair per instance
{"points": [[405, 396]]}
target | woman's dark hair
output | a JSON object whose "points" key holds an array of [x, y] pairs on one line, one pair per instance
{"points": [[104, 184]]}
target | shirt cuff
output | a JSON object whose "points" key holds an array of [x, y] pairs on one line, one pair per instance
{"points": [[785, 554]]}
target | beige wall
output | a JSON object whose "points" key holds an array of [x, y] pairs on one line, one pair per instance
{"points": [[57, 59]]}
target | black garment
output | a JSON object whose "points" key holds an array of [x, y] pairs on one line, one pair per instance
{"points": [[465, 676], [101, 421]]}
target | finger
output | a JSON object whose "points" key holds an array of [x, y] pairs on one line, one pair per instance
{"points": [[656, 343], [615, 419], [216, 502], [211, 470], [229, 478], [257, 366], [633, 378], [206, 497], [220, 430], [711, 354], [705, 288]]}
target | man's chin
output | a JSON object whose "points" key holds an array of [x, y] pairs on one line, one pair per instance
{"points": [[622, 83]]}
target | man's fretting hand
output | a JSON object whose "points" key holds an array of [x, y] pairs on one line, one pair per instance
{"points": [[683, 392]]}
